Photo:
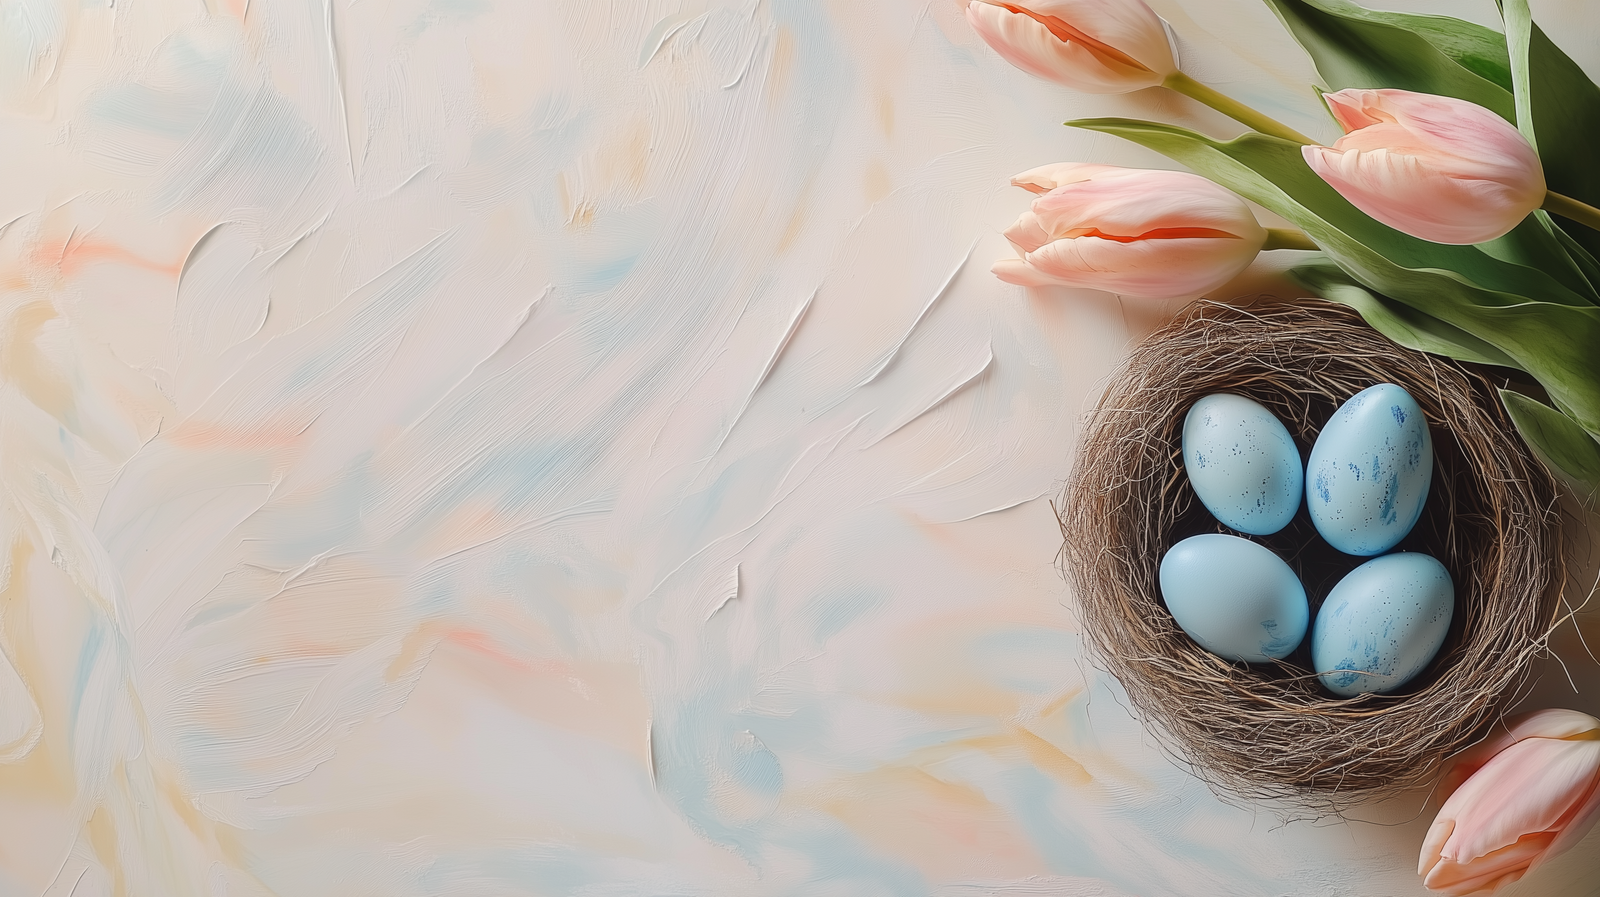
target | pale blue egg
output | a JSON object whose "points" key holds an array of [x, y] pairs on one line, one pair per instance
{"points": [[1382, 624], [1369, 471], [1236, 598], [1242, 463]]}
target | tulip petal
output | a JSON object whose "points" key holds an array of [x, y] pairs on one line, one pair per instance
{"points": [[1403, 192], [1551, 723], [1154, 234], [1437, 168], [1029, 44], [1022, 274], [1481, 143], [1130, 202], [1350, 109], [1529, 787], [1154, 269], [1027, 234], [1048, 177], [1131, 27], [1433, 843], [1500, 867], [1580, 819]]}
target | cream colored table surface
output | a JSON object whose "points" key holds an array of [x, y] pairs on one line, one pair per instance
{"points": [[522, 447]]}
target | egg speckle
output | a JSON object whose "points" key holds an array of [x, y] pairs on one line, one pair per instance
{"points": [[1242, 463], [1369, 471], [1382, 624]]}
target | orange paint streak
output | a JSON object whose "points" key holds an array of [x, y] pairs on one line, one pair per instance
{"points": [[1068, 34], [488, 646], [1162, 233], [279, 432], [600, 700], [75, 253], [949, 830]]}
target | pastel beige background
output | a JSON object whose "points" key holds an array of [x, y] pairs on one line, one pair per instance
{"points": [[525, 447]]}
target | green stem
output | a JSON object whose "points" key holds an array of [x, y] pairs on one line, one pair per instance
{"points": [[1234, 109], [1567, 207], [1287, 238]]}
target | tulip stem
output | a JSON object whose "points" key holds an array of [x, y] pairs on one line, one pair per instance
{"points": [[1572, 209], [1234, 109], [1287, 238]]}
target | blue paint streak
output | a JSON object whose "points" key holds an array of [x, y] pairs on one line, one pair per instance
{"points": [[87, 657]]}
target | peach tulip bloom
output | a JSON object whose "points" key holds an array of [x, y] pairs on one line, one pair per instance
{"points": [[1434, 167], [1097, 46], [1154, 234], [1520, 797]]}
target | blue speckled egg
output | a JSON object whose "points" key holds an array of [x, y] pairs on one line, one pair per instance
{"points": [[1369, 471], [1236, 598], [1242, 463], [1382, 624]]}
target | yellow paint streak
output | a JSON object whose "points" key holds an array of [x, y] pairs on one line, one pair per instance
{"points": [[797, 220], [24, 365], [15, 570], [886, 114], [1059, 704], [1052, 759], [44, 776], [183, 807], [948, 830], [582, 216], [631, 160], [576, 214], [103, 838], [417, 643], [782, 65], [875, 182]]}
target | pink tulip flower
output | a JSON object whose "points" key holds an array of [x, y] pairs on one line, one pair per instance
{"points": [[1520, 797], [1155, 234], [1437, 168], [1097, 46]]}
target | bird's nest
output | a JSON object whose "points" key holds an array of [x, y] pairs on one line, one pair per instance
{"points": [[1270, 730]]}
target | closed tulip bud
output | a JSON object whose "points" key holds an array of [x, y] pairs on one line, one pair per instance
{"points": [[1515, 800], [1097, 46], [1155, 234], [1434, 167]]}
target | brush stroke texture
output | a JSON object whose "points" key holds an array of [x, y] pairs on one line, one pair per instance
{"points": [[479, 447]]}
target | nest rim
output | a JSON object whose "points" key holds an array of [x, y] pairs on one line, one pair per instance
{"points": [[1268, 731]]}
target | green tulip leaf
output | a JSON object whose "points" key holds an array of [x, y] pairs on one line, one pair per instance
{"points": [[1479, 50], [1356, 47], [1545, 328], [1579, 254], [1401, 323], [1558, 109], [1538, 244], [1558, 440]]}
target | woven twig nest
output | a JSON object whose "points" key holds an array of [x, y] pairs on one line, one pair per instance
{"points": [[1270, 730]]}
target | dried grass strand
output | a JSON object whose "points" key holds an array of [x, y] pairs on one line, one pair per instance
{"points": [[1270, 731]]}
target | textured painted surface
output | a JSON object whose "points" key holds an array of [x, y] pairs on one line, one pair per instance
{"points": [[484, 447]]}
